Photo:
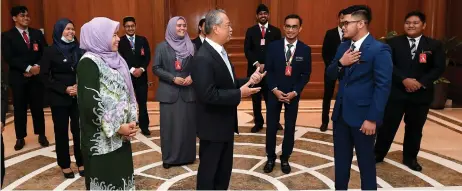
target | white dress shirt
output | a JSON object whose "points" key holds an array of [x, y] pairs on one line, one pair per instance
{"points": [[417, 40], [28, 35], [359, 42], [219, 49]]}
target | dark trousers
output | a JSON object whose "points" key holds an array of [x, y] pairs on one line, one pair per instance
{"points": [[256, 103], [216, 165], [329, 87], [141, 93], [3, 161], [273, 115], [24, 94], [415, 116], [345, 138], [61, 115]]}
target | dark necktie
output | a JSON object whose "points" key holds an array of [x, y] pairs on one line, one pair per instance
{"points": [[413, 47], [288, 53], [353, 46]]}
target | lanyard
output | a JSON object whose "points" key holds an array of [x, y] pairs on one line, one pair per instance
{"points": [[291, 56]]}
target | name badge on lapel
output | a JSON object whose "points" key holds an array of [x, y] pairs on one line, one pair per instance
{"points": [[262, 42], [177, 65], [36, 48], [65, 60], [423, 58], [298, 58], [142, 51]]}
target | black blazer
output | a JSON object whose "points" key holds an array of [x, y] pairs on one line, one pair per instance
{"points": [[217, 95], [406, 67], [330, 45], [252, 48], [135, 58], [57, 74], [197, 42], [19, 56]]}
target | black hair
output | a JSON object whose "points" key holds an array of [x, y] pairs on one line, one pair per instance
{"points": [[363, 11], [341, 12], [294, 16], [15, 11], [127, 19], [201, 22], [262, 7], [419, 14]]}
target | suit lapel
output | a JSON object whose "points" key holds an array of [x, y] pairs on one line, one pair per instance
{"points": [[420, 48], [19, 38], [364, 47], [219, 59]]}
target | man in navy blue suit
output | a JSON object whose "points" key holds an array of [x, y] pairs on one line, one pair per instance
{"points": [[288, 66], [364, 67]]}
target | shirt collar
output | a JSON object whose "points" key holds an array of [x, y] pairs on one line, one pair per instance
{"points": [[202, 38], [360, 41], [128, 36], [287, 42], [266, 25], [21, 31], [417, 39], [215, 45]]}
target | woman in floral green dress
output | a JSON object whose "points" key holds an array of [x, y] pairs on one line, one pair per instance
{"points": [[107, 108]]}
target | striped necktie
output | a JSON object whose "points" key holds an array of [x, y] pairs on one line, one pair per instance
{"points": [[413, 47]]}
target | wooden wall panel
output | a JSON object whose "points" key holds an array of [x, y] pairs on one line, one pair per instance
{"points": [[193, 11]]}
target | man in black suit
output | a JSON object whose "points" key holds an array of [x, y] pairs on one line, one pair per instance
{"points": [[201, 35], [417, 62], [135, 50], [22, 49], [219, 93], [4, 108], [332, 39], [257, 38], [289, 69]]}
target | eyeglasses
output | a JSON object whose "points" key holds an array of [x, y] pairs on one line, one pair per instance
{"points": [[346, 23], [129, 26], [294, 27]]}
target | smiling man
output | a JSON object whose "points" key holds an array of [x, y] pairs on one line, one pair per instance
{"points": [[417, 62]]}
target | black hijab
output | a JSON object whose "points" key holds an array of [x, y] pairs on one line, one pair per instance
{"points": [[69, 50]]}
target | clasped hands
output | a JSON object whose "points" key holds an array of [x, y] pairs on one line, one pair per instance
{"points": [[72, 90], [254, 79], [411, 84], [183, 81], [284, 97], [128, 130], [137, 72], [34, 70]]}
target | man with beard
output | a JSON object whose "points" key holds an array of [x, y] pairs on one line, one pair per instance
{"points": [[257, 38], [418, 62]]}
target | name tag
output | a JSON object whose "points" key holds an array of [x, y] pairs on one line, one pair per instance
{"points": [[423, 58], [298, 58], [177, 65], [142, 51], [288, 71], [262, 42], [36, 48]]}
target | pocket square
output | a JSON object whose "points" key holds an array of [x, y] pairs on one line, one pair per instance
{"points": [[298, 59]]}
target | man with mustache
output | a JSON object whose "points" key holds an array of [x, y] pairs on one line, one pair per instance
{"points": [[256, 43], [417, 61]]}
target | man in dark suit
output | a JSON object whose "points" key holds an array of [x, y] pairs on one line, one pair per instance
{"points": [[22, 49], [4, 109], [364, 67], [417, 62], [288, 63], [201, 35], [257, 38], [332, 40], [219, 93], [135, 50]]}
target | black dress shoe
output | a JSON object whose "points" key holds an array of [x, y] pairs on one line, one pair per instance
{"points": [[413, 164], [42, 139], [68, 174], [166, 166], [280, 127], [378, 159], [323, 127], [19, 144], [145, 132], [269, 166], [256, 128], [82, 173], [285, 167]]}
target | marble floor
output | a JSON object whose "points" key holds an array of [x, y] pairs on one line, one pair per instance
{"points": [[35, 168]]}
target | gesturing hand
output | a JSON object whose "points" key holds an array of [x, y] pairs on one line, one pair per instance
{"points": [[256, 76], [350, 57], [246, 91]]}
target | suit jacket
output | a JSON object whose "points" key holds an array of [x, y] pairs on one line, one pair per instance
{"points": [[252, 48], [197, 42], [406, 67], [57, 74], [330, 45], [135, 58], [365, 86], [164, 68], [19, 56], [276, 65], [218, 96]]}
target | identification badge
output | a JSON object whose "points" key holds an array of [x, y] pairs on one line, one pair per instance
{"points": [[423, 58], [142, 51], [262, 42], [288, 71], [35, 45], [177, 65]]}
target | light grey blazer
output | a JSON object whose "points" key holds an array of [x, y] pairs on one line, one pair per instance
{"points": [[164, 68]]}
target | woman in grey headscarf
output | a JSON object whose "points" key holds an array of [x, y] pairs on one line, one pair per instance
{"points": [[172, 65]]}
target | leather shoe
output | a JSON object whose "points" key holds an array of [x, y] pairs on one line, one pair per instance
{"points": [[413, 164], [280, 127], [269, 166], [19, 144], [145, 132], [256, 128], [43, 141], [285, 166], [323, 127], [378, 159], [166, 166]]}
